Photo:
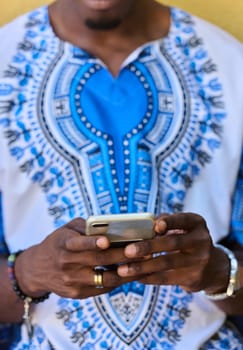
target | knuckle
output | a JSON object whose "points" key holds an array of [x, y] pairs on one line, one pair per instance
{"points": [[76, 222], [66, 280], [165, 262], [200, 221], [100, 259], [196, 219], [88, 243], [74, 293], [134, 269], [113, 280], [144, 248], [63, 260], [204, 261], [175, 242], [195, 281]]}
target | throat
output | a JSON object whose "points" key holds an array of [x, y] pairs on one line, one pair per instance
{"points": [[111, 46]]}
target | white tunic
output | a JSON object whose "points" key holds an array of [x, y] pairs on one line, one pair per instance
{"points": [[163, 136]]}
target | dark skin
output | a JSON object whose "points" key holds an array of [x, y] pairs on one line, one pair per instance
{"points": [[111, 46], [63, 263]]}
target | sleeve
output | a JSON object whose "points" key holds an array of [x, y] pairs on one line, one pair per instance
{"points": [[237, 212]]}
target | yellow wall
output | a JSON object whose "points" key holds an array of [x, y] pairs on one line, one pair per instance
{"points": [[227, 14]]}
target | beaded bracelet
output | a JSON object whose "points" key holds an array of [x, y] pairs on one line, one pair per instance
{"points": [[27, 299], [16, 288]]}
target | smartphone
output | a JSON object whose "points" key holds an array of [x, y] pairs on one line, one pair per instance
{"points": [[122, 229]]}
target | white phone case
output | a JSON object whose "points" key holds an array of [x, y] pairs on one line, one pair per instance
{"points": [[122, 228]]}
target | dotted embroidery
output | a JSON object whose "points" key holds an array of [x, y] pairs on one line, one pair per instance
{"points": [[76, 159]]}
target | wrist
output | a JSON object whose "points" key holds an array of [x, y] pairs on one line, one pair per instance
{"points": [[217, 272], [17, 285], [231, 277]]}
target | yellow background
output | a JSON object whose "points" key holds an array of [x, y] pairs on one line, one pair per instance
{"points": [[228, 14]]}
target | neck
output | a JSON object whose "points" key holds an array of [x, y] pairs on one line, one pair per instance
{"points": [[146, 21]]}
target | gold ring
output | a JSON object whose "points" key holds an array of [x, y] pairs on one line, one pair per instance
{"points": [[98, 278]]}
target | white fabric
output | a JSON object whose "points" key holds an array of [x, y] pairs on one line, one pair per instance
{"points": [[27, 219]]}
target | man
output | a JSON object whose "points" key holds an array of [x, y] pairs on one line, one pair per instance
{"points": [[117, 106]]}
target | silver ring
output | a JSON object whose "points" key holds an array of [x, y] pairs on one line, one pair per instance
{"points": [[98, 278]]}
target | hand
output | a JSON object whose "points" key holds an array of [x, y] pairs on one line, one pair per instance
{"points": [[188, 257], [64, 264]]}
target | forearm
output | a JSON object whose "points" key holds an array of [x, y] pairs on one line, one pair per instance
{"points": [[11, 307]]}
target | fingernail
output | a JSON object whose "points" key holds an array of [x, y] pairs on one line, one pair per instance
{"points": [[131, 250], [122, 270], [147, 257], [102, 242], [162, 225]]}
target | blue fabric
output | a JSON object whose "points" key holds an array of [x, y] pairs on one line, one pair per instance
{"points": [[237, 214], [6, 330], [237, 226], [3, 248], [8, 333], [118, 157]]}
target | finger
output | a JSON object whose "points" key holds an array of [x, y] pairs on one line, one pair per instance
{"points": [[166, 278], [76, 243], [171, 261], [111, 256], [77, 225], [77, 282], [108, 278], [182, 221], [196, 239], [187, 278], [81, 257]]}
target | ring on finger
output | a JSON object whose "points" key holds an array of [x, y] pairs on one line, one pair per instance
{"points": [[98, 278]]}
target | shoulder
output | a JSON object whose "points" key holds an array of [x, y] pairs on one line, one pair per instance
{"points": [[222, 47], [12, 33], [225, 50], [220, 52], [218, 38], [206, 40], [11, 30], [212, 35]]}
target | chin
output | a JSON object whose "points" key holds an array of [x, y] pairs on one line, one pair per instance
{"points": [[102, 24]]}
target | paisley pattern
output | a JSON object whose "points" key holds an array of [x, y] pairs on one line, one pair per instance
{"points": [[99, 144]]}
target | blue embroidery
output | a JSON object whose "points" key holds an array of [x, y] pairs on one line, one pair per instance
{"points": [[227, 339], [237, 215], [76, 159]]}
